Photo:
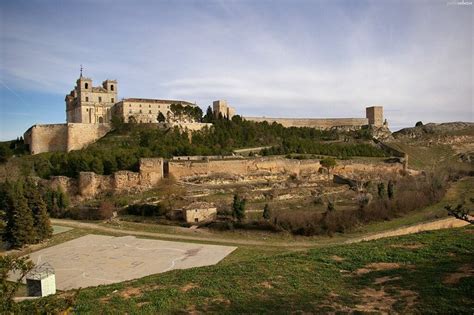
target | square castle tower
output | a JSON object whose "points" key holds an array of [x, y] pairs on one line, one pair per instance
{"points": [[375, 115]]}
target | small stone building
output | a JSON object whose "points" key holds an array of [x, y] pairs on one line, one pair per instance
{"points": [[41, 281], [199, 211]]}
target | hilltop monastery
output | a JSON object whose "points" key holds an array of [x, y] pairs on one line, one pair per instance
{"points": [[89, 111]]}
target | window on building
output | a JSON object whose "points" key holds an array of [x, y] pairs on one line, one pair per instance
{"points": [[87, 99], [140, 111], [100, 99], [140, 105], [112, 99], [149, 105], [86, 85], [112, 88], [149, 112], [129, 105], [87, 109]]}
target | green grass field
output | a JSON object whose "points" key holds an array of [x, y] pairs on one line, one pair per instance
{"points": [[430, 272]]}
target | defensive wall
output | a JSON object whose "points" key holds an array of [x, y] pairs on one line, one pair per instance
{"points": [[63, 137], [317, 123], [153, 170]]}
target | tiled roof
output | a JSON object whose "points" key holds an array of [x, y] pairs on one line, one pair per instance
{"points": [[148, 100]]}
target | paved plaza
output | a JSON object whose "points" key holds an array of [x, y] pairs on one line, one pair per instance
{"points": [[92, 260]]}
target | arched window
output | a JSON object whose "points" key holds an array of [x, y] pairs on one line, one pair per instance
{"points": [[87, 99], [86, 85], [112, 87], [101, 120]]}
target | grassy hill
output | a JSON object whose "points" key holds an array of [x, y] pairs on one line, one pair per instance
{"points": [[425, 273]]}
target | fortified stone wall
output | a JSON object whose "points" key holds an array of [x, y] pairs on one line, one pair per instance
{"points": [[81, 135], [46, 138], [314, 123], [63, 137]]}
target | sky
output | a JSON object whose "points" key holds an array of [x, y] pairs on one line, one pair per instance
{"points": [[273, 58]]}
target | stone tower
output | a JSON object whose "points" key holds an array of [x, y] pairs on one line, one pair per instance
{"points": [[89, 104], [221, 107], [375, 115]]}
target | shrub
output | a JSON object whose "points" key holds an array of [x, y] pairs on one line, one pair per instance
{"points": [[146, 210], [106, 210]]}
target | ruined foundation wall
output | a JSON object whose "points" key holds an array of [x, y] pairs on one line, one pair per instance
{"points": [[275, 165], [90, 184]]}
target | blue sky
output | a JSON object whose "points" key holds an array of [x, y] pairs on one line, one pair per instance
{"points": [[272, 58]]}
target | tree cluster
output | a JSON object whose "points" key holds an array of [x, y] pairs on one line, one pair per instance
{"points": [[186, 112], [10, 148], [25, 214]]}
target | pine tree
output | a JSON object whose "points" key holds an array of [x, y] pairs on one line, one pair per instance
{"points": [[381, 190], [40, 212], [266, 212], [238, 208], [20, 224], [390, 189], [209, 117]]}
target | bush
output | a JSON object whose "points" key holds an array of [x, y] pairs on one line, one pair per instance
{"points": [[106, 210], [146, 210], [412, 194]]}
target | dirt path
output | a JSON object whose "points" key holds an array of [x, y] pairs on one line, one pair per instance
{"points": [[93, 226], [427, 226]]}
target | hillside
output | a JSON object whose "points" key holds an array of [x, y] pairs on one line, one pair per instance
{"points": [[431, 272], [122, 148], [433, 131], [438, 145]]}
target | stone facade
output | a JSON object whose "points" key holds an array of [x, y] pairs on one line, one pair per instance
{"points": [[88, 104], [199, 212], [220, 107], [146, 110], [63, 137]]}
